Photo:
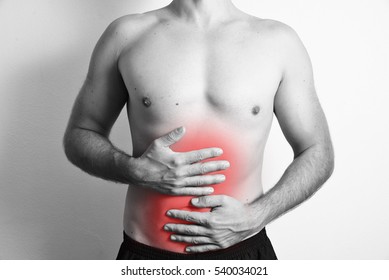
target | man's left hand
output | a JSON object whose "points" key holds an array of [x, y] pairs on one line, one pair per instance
{"points": [[229, 222]]}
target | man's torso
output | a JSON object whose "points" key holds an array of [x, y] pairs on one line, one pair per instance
{"points": [[219, 83]]}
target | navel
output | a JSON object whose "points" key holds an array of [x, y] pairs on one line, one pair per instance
{"points": [[255, 110], [146, 101]]}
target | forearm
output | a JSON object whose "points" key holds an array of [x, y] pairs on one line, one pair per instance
{"points": [[304, 176], [95, 154]]}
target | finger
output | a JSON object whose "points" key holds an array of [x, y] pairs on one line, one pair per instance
{"points": [[191, 239], [200, 218], [192, 191], [199, 155], [204, 180], [202, 248], [203, 168], [172, 137], [210, 201], [192, 230]]}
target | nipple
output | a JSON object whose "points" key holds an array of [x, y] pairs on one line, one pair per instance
{"points": [[146, 101], [255, 110]]}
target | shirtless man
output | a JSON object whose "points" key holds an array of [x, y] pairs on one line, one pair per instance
{"points": [[201, 81]]}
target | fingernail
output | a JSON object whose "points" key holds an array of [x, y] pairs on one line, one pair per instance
{"points": [[187, 249], [172, 237], [195, 200], [226, 164], [219, 151], [221, 177], [166, 228], [210, 190], [180, 129], [169, 213]]}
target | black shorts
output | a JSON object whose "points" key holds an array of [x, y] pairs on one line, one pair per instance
{"points": [[257, 247]]}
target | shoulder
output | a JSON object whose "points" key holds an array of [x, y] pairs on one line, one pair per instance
{"points": [[278, 31], [282, 39], [126, 29], [285, 35], [129, 26]]}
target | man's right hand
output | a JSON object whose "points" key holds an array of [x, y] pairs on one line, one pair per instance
{"points": [[178, 173]]}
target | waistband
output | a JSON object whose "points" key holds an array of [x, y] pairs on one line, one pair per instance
{"points": [[236, 251]]}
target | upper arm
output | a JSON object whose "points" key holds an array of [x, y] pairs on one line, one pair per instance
{"points": [[103, 93], [296, 105]]}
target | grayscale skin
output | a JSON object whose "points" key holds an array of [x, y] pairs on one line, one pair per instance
{"points": [[200, 69]]}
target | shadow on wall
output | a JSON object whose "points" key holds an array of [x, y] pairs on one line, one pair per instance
{"points": [[49, 210]]}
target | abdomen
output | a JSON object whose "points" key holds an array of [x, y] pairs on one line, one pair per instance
{"points": [[145, 214]]}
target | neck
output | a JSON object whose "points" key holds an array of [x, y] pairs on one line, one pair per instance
{"points": [[203, 11]]}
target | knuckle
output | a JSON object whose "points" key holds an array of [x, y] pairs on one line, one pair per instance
{"points": [[174, 191], [156, 143], [175, 161], [196, 241], [198, 156], [203, 168], [200, 182], [193, 192], [179, 238], [208, 248], [223, 244], [205, 221], [171, 137], [177, 184], [167, 177], [190, 191], [187, 218], [178, 173], [211, 221], [213, 180], [171, 228], [205, 200]]}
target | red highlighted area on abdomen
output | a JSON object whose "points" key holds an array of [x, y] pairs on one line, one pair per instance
{"points": [[156, 204]]}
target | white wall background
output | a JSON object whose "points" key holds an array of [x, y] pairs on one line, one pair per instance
{"points": [[51, 210]]}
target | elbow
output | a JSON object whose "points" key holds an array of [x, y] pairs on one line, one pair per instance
{"points": [[328, 161], [330, 166], [68, 145]]}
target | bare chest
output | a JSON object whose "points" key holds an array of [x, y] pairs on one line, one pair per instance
{"points": [[173, 74]]}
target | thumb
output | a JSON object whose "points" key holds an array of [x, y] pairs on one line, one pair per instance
{"points": [[172, 137], [209, 201]]}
